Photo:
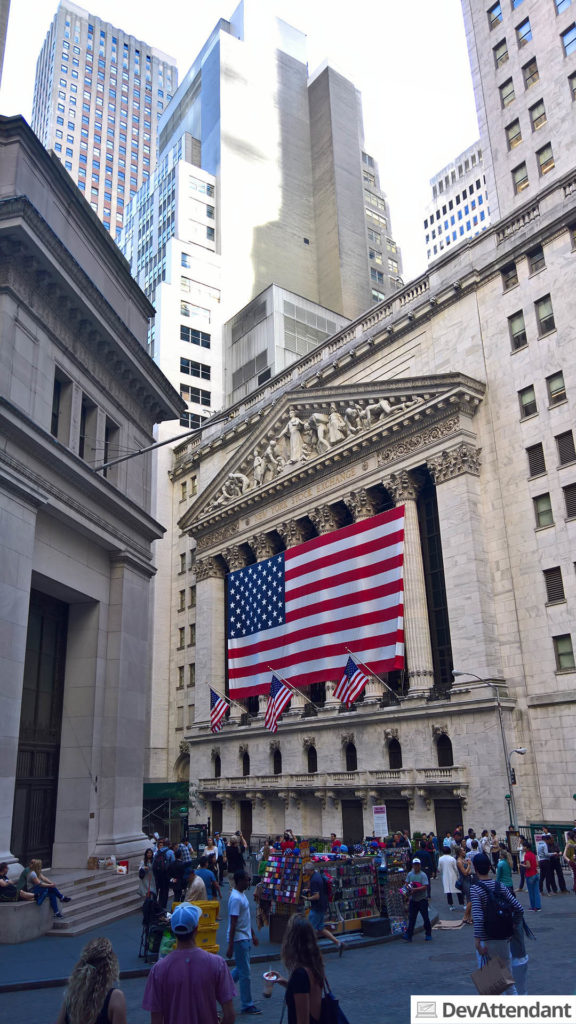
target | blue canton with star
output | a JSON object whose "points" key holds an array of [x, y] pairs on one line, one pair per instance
{"points": [[256, 597]]}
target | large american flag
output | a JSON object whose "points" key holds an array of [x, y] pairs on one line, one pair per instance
{"points": [[303, 611], [279, 697]]}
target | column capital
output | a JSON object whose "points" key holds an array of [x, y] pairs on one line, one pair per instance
{"points": [[360, 504], [401, 486], [262, 546], [207, 568], [291, 532], [234, 557], [324, 518], [451, 462]]}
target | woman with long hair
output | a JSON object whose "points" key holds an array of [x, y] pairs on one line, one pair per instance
{"points": [[42, 887], [92, 996], [301, 955], [146, 880], [465, 878]]}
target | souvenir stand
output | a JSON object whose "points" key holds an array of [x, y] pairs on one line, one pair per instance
{"points": [[392, 881], [280, 886]]}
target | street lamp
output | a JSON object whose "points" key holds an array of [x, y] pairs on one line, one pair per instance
{"points": [[509, 796]]}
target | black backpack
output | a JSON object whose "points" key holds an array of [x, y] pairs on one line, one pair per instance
{"points": [[498, 914], [160, 864]]}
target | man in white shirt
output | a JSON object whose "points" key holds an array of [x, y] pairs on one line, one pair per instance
{"points": [[240, 936]]}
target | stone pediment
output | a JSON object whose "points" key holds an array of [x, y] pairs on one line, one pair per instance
{"points": [[310, 429]]}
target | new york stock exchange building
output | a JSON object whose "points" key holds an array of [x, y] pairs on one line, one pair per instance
{"points": [[455, 400]]}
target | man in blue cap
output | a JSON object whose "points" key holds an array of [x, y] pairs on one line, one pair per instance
{"points": [[186, 986]]}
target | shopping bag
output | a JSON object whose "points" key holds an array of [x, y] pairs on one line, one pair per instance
{"points": [[330, 1011], [493, 976]]}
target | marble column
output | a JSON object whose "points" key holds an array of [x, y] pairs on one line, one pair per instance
{"points": [[210, 635], [469, 591], [124, 709], [420, 674], [18, 509]]}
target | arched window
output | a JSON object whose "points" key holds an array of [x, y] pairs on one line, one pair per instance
{"points": [[394, 754], [445, 755], [217, 766], [245, 764], [351, 758], [277, 762], [312, 761]]}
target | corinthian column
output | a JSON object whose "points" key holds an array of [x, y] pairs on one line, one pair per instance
{"points": [[404, 491]]}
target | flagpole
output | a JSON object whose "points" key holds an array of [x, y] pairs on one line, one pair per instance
{"points": [[290, 687], [372, 673]]}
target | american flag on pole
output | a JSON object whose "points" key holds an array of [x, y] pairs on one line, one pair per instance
{"points": [[304, 610], [279, 697], [352, 683], [218, 708]]}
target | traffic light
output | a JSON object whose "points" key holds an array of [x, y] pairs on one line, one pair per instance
{"points": [[512, 777]]}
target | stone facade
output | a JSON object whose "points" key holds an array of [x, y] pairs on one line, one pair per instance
{"points": [[421, 402], [77, 388]]}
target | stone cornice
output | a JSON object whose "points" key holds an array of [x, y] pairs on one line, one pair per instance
{"points": [[22, 226]]}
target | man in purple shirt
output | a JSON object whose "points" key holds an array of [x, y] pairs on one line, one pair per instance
{"points": [[185, 987]]}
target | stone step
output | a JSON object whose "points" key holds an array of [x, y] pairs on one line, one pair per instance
{"points": [[71, 929], [96, 900]]}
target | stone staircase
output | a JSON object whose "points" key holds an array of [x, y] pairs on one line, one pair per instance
{"points": [[97, 898]]}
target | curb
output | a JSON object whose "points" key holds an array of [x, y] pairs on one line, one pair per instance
{"points": [[258, 958]]}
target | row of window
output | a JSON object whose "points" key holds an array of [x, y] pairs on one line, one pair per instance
{"points": [[194, 369], [182, 636], [556, 393], [545, 161], [188, 563], [565, 449], [496, 15], [182, 606], [537, 114], [182, 675], [466, 194], [545, 324], [191, 420]]}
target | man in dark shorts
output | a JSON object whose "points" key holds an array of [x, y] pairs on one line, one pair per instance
{"points": [[318, 896]]}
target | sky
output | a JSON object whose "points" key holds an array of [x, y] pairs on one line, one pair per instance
{"points": [[409, 60]]}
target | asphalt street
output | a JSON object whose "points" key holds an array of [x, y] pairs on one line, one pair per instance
{"points": [[373, 984]]}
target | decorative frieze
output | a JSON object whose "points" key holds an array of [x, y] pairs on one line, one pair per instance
{"points": [[452, 462], [418, 441]]}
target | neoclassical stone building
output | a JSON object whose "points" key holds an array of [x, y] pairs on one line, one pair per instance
{"points": [[457, 399], [77, 388]]}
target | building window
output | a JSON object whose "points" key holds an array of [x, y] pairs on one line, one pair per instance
{"points": [[191, 597], [566, 449], [495, 15], [183, 491], [507, 94], [570, 500], [564, 653], [569, 40], [520, 178], [217, 766], [245, 764], [182, 563], [530, 73], [523, 32], [351, 758], [509, 276], [181, 638], [182, 601], [194, 337], [537, 115], [394, 755], [536, 460], [513, 134], [197, 395], [543, 510], [517, 330], [527, 398], [444, 751], [312, 760], [544, 315], [180, 677], [277, 762], [536, 261], [500, 53], [554, 585], [191, 635], [545, 159], [192, 674]]}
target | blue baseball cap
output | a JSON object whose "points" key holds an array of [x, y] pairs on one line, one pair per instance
{"points": [[185, 919]]}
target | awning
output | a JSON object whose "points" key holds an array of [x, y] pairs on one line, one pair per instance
{"points": [[166, 791]]}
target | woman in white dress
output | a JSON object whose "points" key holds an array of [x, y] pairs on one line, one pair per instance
{"points": [[146, 880], [448, 871]]}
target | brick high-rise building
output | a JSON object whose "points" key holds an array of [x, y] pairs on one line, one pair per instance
{"points": [[98, 95]]}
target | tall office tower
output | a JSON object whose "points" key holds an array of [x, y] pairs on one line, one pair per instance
{"points": [[4, 11], [98, 95], [523, 61], [459, 206]]}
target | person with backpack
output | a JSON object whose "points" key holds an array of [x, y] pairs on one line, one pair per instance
{"points": [[162, 869], [496, 913], [318, 894]]}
